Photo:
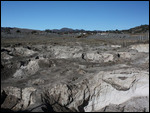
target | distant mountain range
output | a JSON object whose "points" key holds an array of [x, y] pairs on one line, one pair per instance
{"points": [[138, 29]]}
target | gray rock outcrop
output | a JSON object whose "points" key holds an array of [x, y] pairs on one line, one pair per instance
{"points": [[75, 79]]}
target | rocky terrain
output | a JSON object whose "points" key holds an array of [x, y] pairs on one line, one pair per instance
{"points": [[88, 75]]}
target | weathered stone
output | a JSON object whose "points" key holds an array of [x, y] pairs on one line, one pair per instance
{"points": [[20, 51], [141, 47], [10, 102], [77, 79]]}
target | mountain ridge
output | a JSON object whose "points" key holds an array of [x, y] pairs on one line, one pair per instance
{"points": [[137, 29]]}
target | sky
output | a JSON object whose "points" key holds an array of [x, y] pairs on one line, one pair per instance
{"points": [[87, 15]]}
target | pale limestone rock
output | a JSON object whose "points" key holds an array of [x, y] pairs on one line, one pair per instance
{"points": [[125, 55], [66, 52], [140, 47], [27, 96], [137, 104], [6, 56], [23, 51], [107, 57], [116, 46], [32, 67], [101, 57], [93, 56], [79, 88], [19, 74], [13, 91], [107, 94], [9, 102], [61, 94]]}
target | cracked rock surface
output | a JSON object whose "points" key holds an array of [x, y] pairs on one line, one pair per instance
{"points": [[48, 78]]}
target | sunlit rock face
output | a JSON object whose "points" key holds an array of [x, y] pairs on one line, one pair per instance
{"points": [[141, 47], [75, 79]]}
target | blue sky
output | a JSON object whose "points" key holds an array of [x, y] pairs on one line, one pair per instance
{"points": [[88, 15]]}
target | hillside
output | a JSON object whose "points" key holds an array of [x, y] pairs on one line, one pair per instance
{"points": [[138, 29], [134, 30]]}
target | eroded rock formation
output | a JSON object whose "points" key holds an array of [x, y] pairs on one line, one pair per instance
{"points": [[74, 79]]}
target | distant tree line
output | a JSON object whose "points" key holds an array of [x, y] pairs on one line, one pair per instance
{"points": [[138, 29]]}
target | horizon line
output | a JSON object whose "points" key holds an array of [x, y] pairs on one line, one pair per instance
{"points": [[71, 28]]}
